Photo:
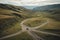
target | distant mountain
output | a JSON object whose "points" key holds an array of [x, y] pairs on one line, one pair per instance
{"points": [[47, 7], [30, 7], [53, 11]]}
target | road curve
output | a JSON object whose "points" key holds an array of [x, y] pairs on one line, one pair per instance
{"points": [[22, 24], [41, 25], [23, 29], [36, 37], [19, 32]]}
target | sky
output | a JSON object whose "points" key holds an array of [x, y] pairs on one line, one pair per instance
{"points": [[30, 2]]}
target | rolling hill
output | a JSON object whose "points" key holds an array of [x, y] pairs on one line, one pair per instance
{"points": [[10, 18], [53, 11], [47, 7]]}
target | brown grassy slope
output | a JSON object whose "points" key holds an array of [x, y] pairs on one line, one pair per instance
{"points": [[10, 19]]}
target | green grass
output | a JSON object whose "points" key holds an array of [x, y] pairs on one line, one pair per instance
{"points": [[33, 22], [22, 36], [10, 23], [47, 37], [56, 31], [13, 27], [53, 24]]}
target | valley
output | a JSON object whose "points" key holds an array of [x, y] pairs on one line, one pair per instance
{"points": [[19, 23]]}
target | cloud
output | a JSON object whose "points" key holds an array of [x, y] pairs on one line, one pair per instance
{"points": [[30, 2]]}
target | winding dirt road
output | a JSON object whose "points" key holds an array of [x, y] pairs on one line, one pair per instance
{"points": [[29, 30]]}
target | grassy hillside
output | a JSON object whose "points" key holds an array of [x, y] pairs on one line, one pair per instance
{"points": [[10, 18], [54, 14], [47, 37], [22, 36]]}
